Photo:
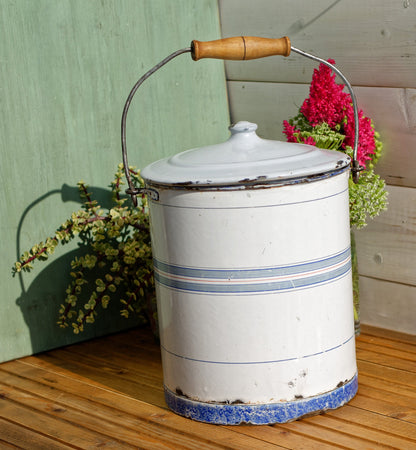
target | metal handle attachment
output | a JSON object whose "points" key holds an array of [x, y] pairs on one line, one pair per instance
{"points": [[235, 48]]}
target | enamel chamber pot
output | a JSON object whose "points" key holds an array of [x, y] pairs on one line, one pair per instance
{"points": [[252, 264]]}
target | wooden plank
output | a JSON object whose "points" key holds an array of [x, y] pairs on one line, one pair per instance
{"points": [[22, 437], [129, 367], [116, 381], [267, 104], [387, 391], [368, 433], [389, 362], [388, 337], [119, 355], [382, 415], [386, 247], [140, 435], [372, 41], [406, 367], [52, 427], [78, 392], [405, 381], [145, 342], [385, 385], [53, 364], [409, 358], [383, 391], [374, 423], [285, 437], [81, 420], [393, 112], [391, 109], [331, 435], [67, 382], [7, 445], [387, 304], [385, 403]]}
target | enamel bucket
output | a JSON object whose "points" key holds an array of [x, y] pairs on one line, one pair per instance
{"points": [[251, 246]]}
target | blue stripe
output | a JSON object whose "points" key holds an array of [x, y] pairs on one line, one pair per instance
{"points": [[234, 274], [285, 285], [246, 281], [258, 362]]}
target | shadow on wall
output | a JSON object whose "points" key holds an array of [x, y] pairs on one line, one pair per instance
{"points": [[40, 302], [300, 24]]}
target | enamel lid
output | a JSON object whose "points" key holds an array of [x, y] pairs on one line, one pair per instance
{"points": [[244, 158]]}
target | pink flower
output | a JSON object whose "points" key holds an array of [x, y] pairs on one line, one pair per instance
{"points": [[309, 140], [294, 135], [366, 140], [289, 131], [327, 102]]}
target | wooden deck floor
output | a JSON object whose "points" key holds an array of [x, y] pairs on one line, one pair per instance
{"points": [[108, 393]]}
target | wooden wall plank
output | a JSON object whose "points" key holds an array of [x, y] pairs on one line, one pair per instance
{"points": [[394, 114], [266, 104], [392, 111], [387, 246], [393, 233], [388, 305], [373, 40]]}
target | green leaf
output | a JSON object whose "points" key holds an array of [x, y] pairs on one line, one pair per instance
{"points": [[107, 235]]}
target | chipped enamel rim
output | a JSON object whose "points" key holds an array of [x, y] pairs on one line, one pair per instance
{"points": [[260, 414]]}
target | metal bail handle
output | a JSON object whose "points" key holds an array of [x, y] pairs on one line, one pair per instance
{"points": [[235, 48]]}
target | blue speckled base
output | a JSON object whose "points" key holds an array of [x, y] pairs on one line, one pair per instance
{"points": [[260, 414]]}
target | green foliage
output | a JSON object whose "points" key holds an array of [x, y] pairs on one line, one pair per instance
{"points": [[369, 196], [325, 137], [119, 257]]}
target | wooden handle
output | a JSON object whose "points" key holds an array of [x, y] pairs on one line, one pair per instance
{"points": [[240, 48]]}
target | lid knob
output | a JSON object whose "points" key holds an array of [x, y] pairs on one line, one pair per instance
{"points": [[243, 127]]}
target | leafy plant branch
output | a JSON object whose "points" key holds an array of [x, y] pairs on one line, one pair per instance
{"points": [[118, 256]]}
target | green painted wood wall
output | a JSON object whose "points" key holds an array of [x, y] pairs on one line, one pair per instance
{"points": [[66, 68]]}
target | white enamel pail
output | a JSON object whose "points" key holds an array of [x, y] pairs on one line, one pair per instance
{"points": [[251, 246]]}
